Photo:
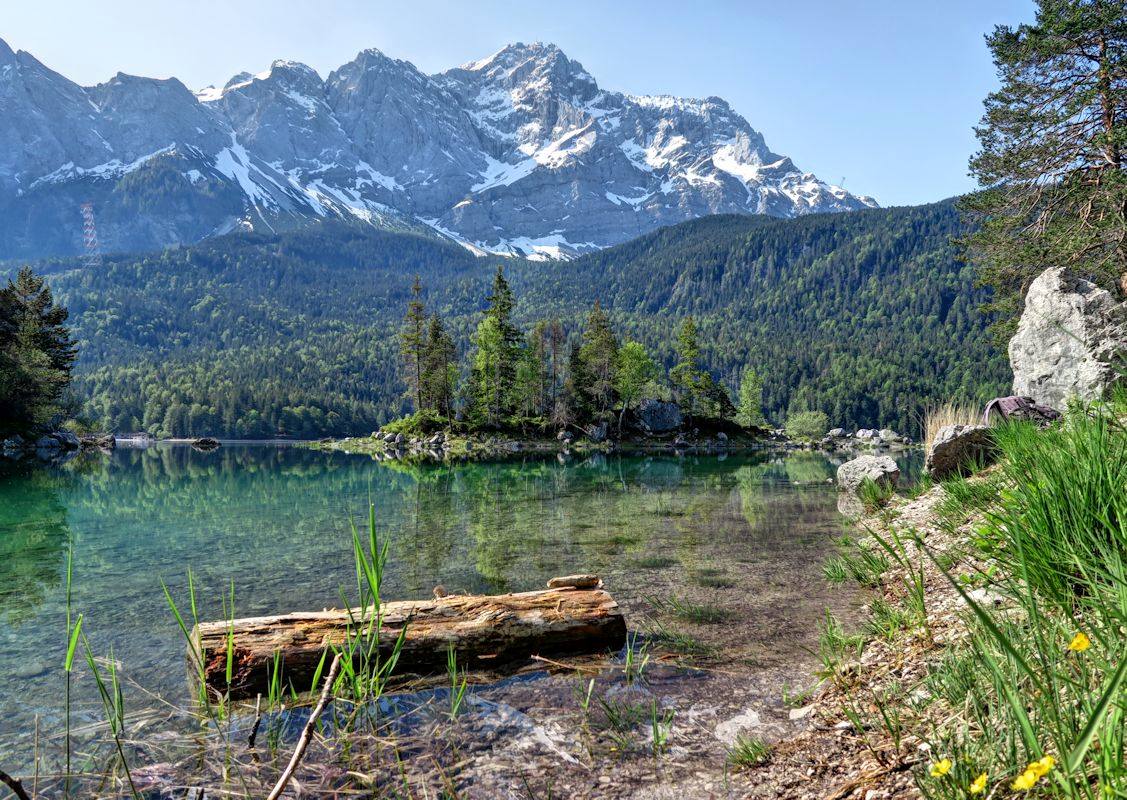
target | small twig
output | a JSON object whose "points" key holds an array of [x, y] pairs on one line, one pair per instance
{"points": [[306, 732], [13, 784], [257, 721]]}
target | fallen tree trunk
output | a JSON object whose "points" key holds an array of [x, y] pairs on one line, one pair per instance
{"points": [[484, 630]]}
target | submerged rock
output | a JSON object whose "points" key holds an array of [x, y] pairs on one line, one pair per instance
{"points": [[958, 448], [881, 470], [1071, 340]]}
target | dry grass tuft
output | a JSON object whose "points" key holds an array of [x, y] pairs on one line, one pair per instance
{"points": [[952, 412]]}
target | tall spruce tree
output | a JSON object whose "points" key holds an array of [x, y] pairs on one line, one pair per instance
{"points": [[440, 369], [498, 348], [686, 373], [412, 343], [599, 355], [1051, 159], [37, 353]]}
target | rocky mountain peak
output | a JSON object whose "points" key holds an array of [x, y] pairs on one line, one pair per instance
{"points": [[518, 153]]}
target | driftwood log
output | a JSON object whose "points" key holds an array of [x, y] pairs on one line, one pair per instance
{"points": [[484, 630]]}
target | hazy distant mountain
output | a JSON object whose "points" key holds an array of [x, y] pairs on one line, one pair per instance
{"points": [[518, 153]]}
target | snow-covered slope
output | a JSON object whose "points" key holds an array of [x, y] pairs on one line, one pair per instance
{"points": [[519, 153]]}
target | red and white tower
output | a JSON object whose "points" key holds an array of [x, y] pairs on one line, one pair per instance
{"points": [[93, 255]]}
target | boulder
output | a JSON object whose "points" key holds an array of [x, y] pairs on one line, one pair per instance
{"points": [[48, 443], [13, 444], [888, 435], [958, 448], [866, 434], [1071, 340], [836, 433], [722, 439], [597, 433], [881, 470], [68, 440], [657, 416]]}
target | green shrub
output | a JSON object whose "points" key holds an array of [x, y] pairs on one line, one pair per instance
{"points": [[418, 424], [807, 425]]}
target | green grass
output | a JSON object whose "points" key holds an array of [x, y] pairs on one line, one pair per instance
{"points": [[699, 613], [654, 562], [748, 752], [873, 495], [863, 563], [1056, 522], [836, 648]]}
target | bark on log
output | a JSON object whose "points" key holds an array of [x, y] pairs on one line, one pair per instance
{"points": [[485, 631]]}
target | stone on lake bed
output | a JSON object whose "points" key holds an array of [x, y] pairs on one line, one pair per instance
{"points": [[574, 582]]}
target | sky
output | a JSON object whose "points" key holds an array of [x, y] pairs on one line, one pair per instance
{"points": [[882, 94]]}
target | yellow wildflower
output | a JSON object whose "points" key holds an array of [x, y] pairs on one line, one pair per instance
{"points": [[979, 785], [941, 768], [1080, 642], [1043, 766], [1025, 781]]}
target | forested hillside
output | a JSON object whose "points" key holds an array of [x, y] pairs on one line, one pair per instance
{"points": [[865, 315]]}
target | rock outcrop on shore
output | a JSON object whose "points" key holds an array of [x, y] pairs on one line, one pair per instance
{"points": [[1071, 340], [959, 449]]}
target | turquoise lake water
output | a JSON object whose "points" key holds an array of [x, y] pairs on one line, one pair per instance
{"points": [[274, 520]]}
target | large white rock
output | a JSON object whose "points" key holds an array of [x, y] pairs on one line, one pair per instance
{"points": [[1071, 340], [881, 470]]}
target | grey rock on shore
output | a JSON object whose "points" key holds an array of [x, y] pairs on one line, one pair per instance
{"points": [[1071, 340], [958, 448], [881, 470]]}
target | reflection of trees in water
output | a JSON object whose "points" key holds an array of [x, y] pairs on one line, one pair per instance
{"points": [[474, 527], [33, 541]]}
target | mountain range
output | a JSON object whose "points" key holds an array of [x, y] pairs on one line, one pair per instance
{"points": [[520, 153]]}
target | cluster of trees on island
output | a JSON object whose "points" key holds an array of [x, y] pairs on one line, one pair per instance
{"points": [[545, 378]]}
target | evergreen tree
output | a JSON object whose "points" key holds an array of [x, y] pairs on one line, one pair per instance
{"points": [[599, 355], [686, 373], [440, 369], [1051, 158], [572, 407], [37, 353], [635, 369], [498, 343], [491, 387], [749, 411], [412, 343]]}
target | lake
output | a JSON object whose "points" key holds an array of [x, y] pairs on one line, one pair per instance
{"points": [[745, 533]]}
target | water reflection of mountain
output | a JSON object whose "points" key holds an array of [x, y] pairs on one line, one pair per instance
{"points": [[33, 540]]}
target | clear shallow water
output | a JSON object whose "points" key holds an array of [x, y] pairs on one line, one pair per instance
{"points": [[275, 521]]}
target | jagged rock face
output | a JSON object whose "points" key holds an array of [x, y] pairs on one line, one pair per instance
{"points": [[520, 153], [1071, 340]]}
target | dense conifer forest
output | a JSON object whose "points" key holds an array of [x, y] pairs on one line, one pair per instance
{"points": [[866, 316]]}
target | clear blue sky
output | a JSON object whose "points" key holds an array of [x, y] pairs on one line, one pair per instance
{"points": [[882, 93]]}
